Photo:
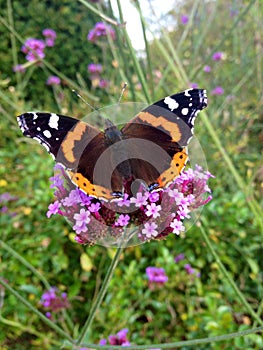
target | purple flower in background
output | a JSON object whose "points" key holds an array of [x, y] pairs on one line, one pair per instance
{"points": [[179, 257], [101, 30], [94, 68], [194, 85], [218, 90], [53, 80], [19, 68], [218, 56], [103, 83], [188, 268], [117, 339], [207, 69], [156, 275], [34, 49], [50, 36], [54, 301], [184, 19]]}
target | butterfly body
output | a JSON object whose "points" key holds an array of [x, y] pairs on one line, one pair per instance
{"points": [[150, 149]]}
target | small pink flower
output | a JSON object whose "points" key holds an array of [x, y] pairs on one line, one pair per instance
{"points": [[218, 56], [218, 90], [53, 80]]}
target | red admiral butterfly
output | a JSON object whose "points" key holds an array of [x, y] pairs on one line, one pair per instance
{"points": [[151, 148]]}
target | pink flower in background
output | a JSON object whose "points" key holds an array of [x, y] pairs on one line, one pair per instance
{"points": [[34, 49], [19, 68], [99, 31], [218, 90], [94, 68], [50, 36], [184, 19], [53, 80], [207, 69], [156, 275], [218, 56]]}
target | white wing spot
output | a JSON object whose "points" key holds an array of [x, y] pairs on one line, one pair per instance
{"points": [[35, 115], [47, 133], [185, 111], [186, 93], [38, 128], [53, 121], [172, 104]]}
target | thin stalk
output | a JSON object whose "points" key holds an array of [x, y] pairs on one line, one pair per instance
{"points": [[148, 56], [13, 39], [134, 58], [224, 272], [23, 261], [99, 13], [100, 296], [35, 311]]}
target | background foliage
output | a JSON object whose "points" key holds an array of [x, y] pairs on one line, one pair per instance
{"points": [[231, 136]]}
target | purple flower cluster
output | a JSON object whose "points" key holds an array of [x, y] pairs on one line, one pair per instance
{"points": [[188, 268], [146, 216], [54, 301], [5, 199], [34, 49], [95, 71], [156, 276], [53, 80], [99, 31], [117, 339], [50, 36]]}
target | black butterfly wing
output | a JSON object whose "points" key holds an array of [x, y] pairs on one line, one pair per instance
{"points": [[166, 128], [77, 146]]}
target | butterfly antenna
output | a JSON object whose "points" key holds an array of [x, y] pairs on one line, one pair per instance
{"points": [[122, 92], [83, 100]]}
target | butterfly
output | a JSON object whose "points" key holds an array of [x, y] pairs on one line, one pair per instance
{"points": [[150, 150]]}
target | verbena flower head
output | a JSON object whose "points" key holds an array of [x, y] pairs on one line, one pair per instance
{"points": [[156, 275], [34, 49], [218, 56], [184, 19], [207, 69], [50, 36], [53, 80], [19, 68], [94, 68], [149, 215], [101, 30], [218, 90], [117, 339], [54, 301]]}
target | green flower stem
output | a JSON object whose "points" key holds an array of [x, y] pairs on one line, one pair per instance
{"points": [[178, 344], [134, 58], [100, 296], [99, 13], [148, 56], [13, 39], [227, 275], [23, 261], [35, 311]]}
